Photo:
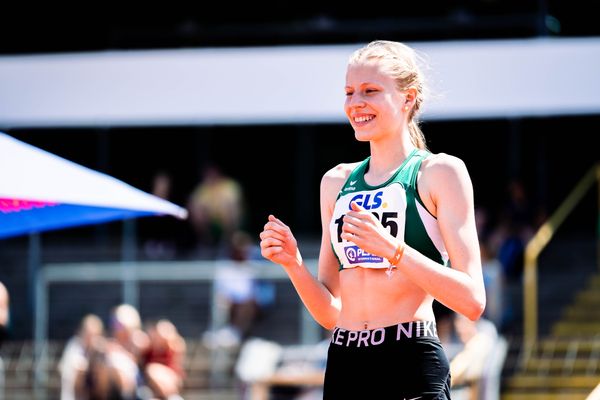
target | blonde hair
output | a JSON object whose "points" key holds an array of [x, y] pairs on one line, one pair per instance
{"points": [[402, 64], [127, 316]]}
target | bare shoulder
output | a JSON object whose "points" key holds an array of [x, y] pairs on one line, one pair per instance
{"points": [[337, 175], [334, 179], [443, 166], [444, 175]]}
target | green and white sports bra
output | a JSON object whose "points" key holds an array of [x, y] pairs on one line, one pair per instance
{"points": [[397, 205]]}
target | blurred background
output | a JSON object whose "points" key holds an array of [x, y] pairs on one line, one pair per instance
{"points": [[236, 113]]}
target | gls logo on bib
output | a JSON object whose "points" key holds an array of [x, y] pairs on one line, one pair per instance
{"points": [[365, 201]]}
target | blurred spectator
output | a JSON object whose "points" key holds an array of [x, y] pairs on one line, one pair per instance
{"points": [[161, 185], [123, 351], [100, 380], [444, 320], [162, 360], [468, 366], [237, 293], [507, 241], [216, 208], [514, 229], [518, 208], [74, 359], [160, 231], [493, 278]]}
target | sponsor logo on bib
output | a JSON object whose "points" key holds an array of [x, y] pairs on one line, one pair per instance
{"points": [[356, 255]]}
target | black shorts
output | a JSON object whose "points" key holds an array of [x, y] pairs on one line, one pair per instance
{"points": [[404, 362]]}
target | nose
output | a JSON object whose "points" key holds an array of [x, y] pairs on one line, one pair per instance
{"points": [[355, 101]]}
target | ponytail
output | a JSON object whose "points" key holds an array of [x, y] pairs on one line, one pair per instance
{"points": [[416, 135]]}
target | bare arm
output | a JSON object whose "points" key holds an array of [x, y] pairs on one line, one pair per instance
{"points": [[461, 287], [319, 294]]}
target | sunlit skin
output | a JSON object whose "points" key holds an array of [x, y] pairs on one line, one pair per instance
{"points": [[361, 298]]}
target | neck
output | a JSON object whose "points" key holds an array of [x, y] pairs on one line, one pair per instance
{"points": [[387, 155]]}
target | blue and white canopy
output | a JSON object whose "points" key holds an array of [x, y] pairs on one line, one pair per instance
{"points": [[40, 191]]}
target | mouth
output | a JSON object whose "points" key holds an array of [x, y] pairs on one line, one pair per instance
{"points": [[361, 120]]}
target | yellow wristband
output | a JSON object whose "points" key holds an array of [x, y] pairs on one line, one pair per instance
{"points": [[397, 255]]}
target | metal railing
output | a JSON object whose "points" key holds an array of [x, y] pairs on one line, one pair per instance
{"points": [[539, 241]]}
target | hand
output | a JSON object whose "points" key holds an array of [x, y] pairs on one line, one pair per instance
{"points": [[363, 229], [278, 244]]}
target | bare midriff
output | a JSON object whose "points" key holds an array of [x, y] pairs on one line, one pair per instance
{"points": [[372, 299]]}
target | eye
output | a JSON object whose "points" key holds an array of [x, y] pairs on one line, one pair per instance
{"points": [[371, 90], [349, 93]]}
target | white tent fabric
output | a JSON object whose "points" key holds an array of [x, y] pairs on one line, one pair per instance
{"points": [[35, 181], [469, 79]]}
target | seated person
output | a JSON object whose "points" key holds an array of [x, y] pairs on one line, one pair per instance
{"points": [[124, 347], [99, 379], [75, 356], [162, 360], [467, 367]]}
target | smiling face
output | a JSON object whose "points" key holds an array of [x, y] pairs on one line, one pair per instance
{"points": [[385, 91], [374, 105]]}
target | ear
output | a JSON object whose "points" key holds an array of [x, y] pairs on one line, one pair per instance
{"points": [[410, 96]]}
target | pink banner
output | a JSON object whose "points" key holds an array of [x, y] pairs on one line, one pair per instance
{"points": [[16, 205]]}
